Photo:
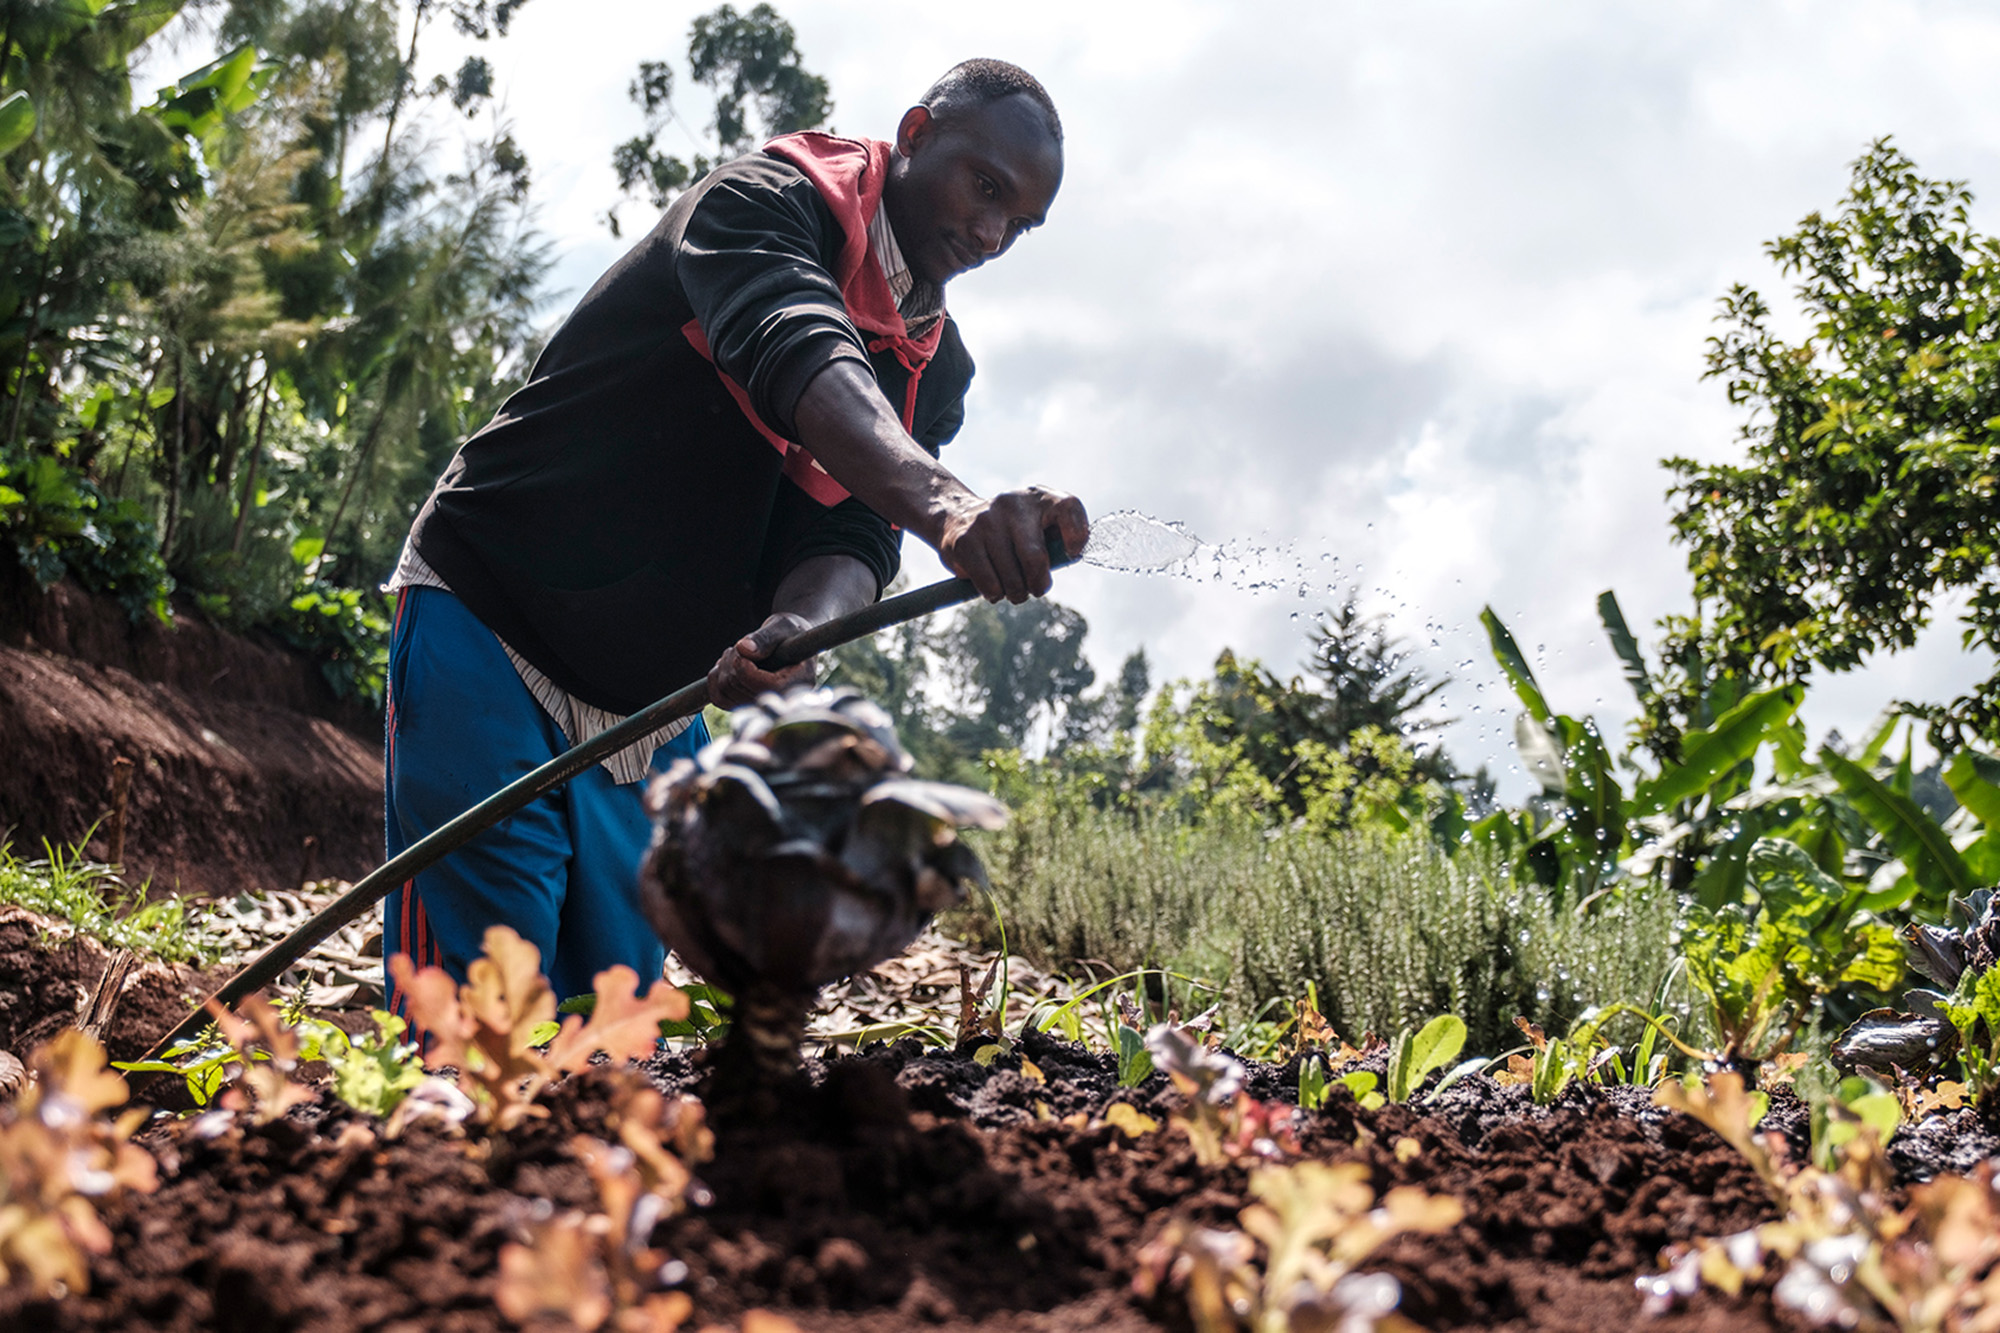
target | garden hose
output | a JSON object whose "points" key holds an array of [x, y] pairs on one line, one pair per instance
{"points": [[266, 967]]}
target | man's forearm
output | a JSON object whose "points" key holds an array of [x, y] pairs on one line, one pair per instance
{"points": [[825, 587], [846, 423]]}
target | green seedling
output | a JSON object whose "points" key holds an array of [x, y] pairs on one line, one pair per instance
{"points": [[203, 1062], [373, 1072], [1362, 1084], [1414, 1057], [1312, 1083]]}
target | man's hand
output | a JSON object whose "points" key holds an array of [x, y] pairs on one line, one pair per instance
{"points": [[1000, 545], [737, 679], [818, 589]]}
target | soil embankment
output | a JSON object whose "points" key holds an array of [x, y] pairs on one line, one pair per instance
{"points": [[240, 750]]}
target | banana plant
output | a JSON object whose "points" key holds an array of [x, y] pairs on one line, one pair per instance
{"points": [[1588, 829]]}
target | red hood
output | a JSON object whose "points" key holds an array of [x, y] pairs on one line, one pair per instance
{"points": [[849, 175]]}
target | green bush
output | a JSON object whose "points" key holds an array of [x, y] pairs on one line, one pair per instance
{"points": [[1389, 928]]}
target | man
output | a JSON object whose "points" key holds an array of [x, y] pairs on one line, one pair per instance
{"points": [[733, 426]]}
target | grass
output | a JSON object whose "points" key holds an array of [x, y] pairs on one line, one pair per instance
{"points": [[92, 898], [1389, 929]]}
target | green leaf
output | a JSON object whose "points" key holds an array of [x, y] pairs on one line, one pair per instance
{"points": [[1708, 755], [1312, 1084], [1974, 779], [1414, 1057], [1361, 1083], [1624, 644], [1913, 835], [1515, 666], [307, 549], [17, 121], [160, 397]]}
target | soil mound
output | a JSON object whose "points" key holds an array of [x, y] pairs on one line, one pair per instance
{"points": [[241, 752]]}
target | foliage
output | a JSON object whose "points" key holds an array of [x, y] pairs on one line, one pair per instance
{"points": [[96, 902], [489, 1029], [1867, 491], [1390, 929], [1850, 1257], [1314, 1224], [751, 62], [60, 1153], [62, 523], [593, 1269], [228, 330], [1762, 965]]}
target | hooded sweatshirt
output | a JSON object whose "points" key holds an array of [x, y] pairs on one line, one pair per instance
{"points": [[629, 513]]}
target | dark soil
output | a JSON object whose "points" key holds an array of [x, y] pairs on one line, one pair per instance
{"points": [[45, 982], [901, 1190], [241, 750]]}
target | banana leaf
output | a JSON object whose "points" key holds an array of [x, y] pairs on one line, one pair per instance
{"points": [[1912, 835], [1624, 644], [1974, 779], [1515, 665], [1708, 755]]}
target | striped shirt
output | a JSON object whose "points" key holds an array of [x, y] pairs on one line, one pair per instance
{"points": [[919, 302]]}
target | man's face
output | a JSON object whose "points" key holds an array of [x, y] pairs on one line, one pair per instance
{"points": [[963, 191]]}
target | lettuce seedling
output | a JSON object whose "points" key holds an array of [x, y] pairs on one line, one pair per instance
{"points": [[1414, 1057], [60, 1153], [489, 1028], [1223, 1121], [592, 1269], [372, 1072], [1849, 1257], [1313, 1225]]}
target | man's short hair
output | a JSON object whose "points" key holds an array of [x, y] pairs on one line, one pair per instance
{"points": [[975, 83]]}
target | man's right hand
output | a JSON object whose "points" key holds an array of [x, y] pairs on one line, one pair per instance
{"points": [[999, 543]]}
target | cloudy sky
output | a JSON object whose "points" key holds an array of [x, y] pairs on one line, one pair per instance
{"points": [[1412, 295]]}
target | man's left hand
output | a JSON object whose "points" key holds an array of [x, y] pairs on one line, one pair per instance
{"points": [[736, 679]]}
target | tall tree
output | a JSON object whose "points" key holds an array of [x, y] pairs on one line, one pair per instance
{"points": [[1872, 446], [1369, 680], [752, 64]]}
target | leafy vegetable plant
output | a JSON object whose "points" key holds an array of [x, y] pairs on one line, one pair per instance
{"points": [[602, 1267], [490, 1028], [60, 1153], [1414, 1057], [1761, 966], [1292, 1265], [1850, 1258], [1222, 1121]]}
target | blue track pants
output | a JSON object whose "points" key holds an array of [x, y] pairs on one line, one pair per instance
{"points": [[563, 871]]}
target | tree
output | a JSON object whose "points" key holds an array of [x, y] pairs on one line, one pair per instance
{"points": [[1369, 682], [1872, 447], [751, 63]]}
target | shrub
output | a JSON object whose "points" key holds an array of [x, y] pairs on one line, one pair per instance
{"points": [[1388, 927]]}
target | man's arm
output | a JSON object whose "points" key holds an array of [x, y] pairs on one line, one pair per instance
{"points": [[846, 423]]}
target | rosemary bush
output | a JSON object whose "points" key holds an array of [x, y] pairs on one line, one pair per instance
{"points": [[1389, 928]]}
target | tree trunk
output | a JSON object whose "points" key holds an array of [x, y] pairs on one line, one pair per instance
{"points": [[175, 454], [28, 346], [250, 469], [360, 465]]}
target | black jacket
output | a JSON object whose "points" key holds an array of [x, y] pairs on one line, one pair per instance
{"points": [[629, 512]]}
